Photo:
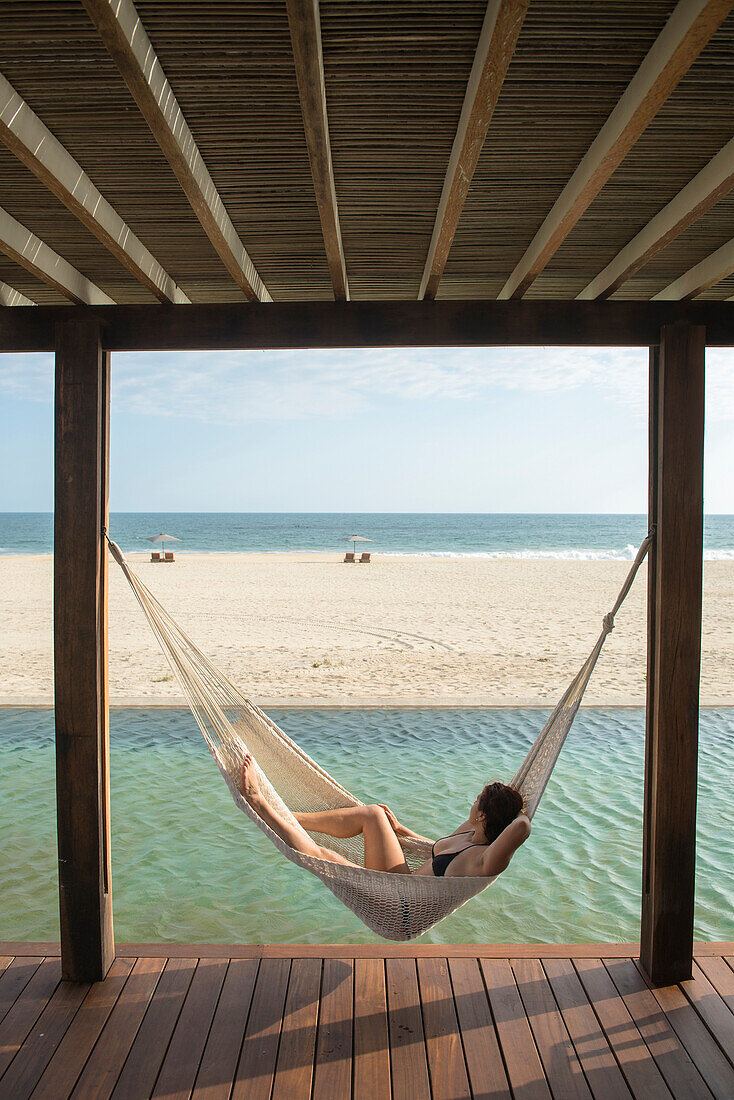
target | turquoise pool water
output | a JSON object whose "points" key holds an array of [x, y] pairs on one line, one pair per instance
{"points": [[188, 867]]}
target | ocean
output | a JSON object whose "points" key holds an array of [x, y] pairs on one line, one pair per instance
{"points": [[188, 867], [481, 535]]}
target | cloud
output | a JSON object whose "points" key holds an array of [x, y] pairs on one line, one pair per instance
{"points": [[720, 384], [240, 386], [27, 377], [237, 387]]}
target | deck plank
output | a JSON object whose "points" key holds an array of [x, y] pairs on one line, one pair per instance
{"points": [[64, 1068], [370, 950], [446, 1063], [149, 1046], [339, 1024], [101, 1071], [222, 1050], [25, 1011], [593, 1050], [43, 1040], [679, 1071], [333, 1067], [637, 1064], [721, 977], [524, 1068], [484, 1063], [557, 1052], [294, 1068], [371, 1041], [256, 1068], [712, 1009], [703, 1049], [408, 1059], [182, 1059], [14, 979]]}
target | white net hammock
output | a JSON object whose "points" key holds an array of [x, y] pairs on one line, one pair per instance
{"points": [[395, 906]]}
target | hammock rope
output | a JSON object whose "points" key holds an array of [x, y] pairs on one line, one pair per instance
{"points": [[396, 907]]}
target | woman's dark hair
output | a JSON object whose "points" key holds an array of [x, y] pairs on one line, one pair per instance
{"points": [[499, 804]]}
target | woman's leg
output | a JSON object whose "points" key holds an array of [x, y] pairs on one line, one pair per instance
{"points": [[382, 851], [342, 822], [293, 837]]}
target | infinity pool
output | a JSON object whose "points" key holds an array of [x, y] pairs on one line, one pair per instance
{"points": [[189, 867]]}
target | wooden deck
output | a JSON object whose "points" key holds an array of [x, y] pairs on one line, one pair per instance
{"points": [[526, 1022]]}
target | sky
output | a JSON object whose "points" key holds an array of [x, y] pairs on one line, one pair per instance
{"points": [[365, 430]]}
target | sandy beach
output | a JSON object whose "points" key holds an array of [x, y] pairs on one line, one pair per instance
{"points": [[306, 628]]}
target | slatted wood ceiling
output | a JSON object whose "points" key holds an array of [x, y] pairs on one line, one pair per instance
{"points": [[395, 74]]}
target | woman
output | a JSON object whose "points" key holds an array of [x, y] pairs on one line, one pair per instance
{"points": [[482, 845]]}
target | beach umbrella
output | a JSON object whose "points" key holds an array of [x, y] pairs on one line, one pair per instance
{"points": [[163, 539], [357, 538]]}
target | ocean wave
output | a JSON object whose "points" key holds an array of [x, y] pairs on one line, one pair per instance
{"points": [[567, 554]]}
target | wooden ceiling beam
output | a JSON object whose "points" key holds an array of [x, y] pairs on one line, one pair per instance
{"points": [[502, 24], [9, 296], [305, 28], [705, 274], [124, 36], [34, 144], [681, 40], [704, 190], [445, 323], [28, 250]]}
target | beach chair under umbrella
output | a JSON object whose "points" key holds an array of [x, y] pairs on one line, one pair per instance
{"points": [[162, 538], [354, 539]]}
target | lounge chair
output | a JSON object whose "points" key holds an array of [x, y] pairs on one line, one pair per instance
{"points": [[169, 555], [365, 559], [155, 557], [349, 556]]}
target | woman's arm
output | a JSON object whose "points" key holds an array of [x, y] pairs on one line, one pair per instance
{"points": [[402, 830], [500, 852]]}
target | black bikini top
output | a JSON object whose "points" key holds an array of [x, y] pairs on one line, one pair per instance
{"points": [[440, 862]]}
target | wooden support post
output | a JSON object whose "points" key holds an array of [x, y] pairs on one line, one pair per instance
{"points": [[80, 651], [674, 652]]}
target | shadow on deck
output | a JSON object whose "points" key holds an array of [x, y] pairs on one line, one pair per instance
{"points": [[332, 1022]]}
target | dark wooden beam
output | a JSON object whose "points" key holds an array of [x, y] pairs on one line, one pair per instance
{"points": [[305, 27], [80, 651], [369, 324], [674, 653]]}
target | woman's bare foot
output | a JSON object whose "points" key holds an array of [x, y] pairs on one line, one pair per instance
{"points": [[249, 786]]}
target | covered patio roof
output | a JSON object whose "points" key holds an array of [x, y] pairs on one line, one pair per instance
{"points": [[365, 149]]}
